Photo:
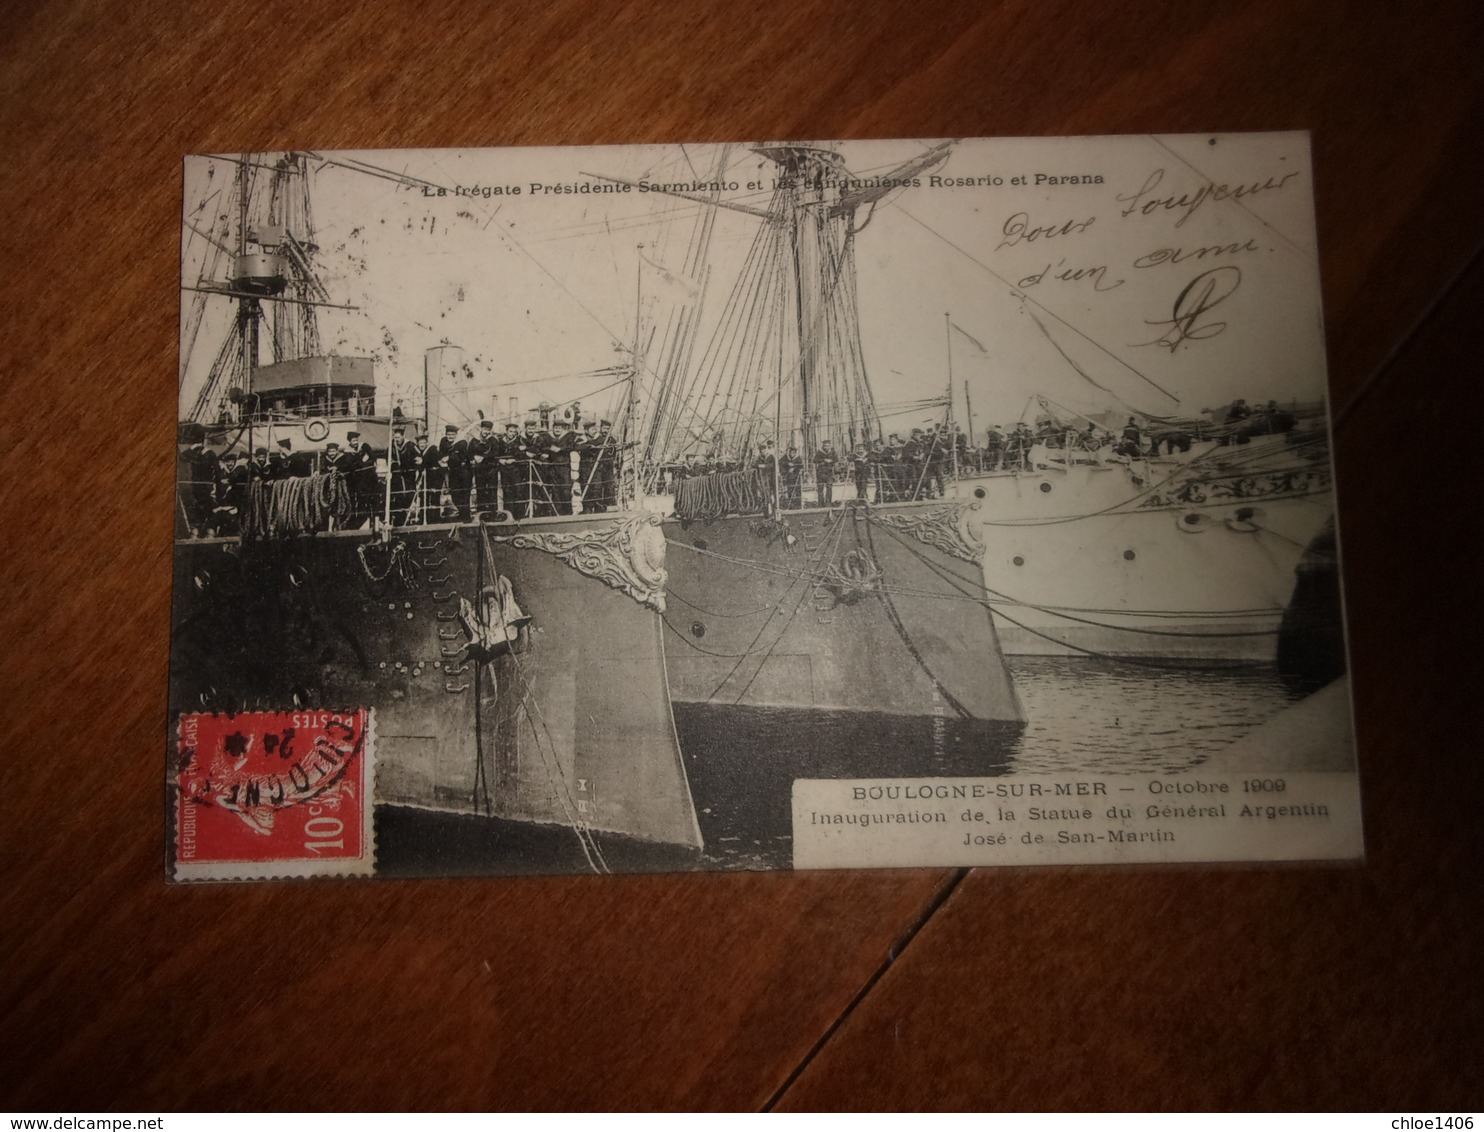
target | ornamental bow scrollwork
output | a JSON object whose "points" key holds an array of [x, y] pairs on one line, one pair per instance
{"points": [[1261, 485], [953, 530], [628, 555]]}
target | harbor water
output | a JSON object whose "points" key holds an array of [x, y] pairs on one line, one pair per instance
{"points": [[1083, 716]]}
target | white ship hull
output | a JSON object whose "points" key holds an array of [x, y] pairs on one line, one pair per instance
{"points": [[1171, 558]]}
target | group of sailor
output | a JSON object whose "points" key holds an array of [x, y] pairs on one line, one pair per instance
{"points": [[526, 473], [1243, 422], [887, 470], [1010, 449]]}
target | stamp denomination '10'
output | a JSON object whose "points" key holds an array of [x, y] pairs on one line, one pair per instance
{"points": [[273, 794]]}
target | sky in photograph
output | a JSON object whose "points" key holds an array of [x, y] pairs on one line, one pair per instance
{"points": [[1187, 276]]}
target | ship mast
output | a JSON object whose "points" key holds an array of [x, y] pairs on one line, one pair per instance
{"points": [[272, 261], [784, 359], [248, 309]]}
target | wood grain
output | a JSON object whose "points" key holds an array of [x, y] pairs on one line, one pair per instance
{"points": [[1275, 988], [1179, 988]]}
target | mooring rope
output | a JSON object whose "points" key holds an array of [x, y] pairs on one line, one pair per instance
{"points": [[299, 505]]}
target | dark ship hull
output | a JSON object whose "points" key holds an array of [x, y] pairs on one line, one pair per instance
{"points": [[829, 645], [832, 645], [568, 727]]}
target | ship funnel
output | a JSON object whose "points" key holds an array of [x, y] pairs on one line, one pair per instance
{"points": [[446, 386]]}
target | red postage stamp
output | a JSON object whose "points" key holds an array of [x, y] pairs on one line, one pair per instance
{"points": [[274, 794]]}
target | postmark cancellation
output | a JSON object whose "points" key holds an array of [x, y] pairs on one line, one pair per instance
{"points": [[273, 794]]}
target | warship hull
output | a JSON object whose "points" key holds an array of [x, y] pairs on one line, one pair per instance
{"points": [[569, 725], [1164, 562], [833, 609], [666, 682]]}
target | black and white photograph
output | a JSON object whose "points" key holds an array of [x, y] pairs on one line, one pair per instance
{"points": [[755, 506]]}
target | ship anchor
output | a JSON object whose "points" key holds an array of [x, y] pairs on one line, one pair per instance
{"points": [[495, 626], [856, 576]]}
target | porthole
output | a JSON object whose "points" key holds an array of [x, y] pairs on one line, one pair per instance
{"points": [[1045, 486], [1019, 561], [699, 543], [697, 629], [1128, 556], [978, 493]]}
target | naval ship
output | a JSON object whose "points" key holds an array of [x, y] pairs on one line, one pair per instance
{"points": [[655, 675]]}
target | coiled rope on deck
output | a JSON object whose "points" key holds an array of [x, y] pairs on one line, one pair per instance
{"points": [[295, 506], [723, 493]]}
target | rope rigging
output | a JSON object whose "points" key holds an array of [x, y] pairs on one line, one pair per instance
{"points": [[529, 706], [863, 578], [825, 553]]}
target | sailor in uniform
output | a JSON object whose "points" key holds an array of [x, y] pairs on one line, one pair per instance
{"points": [[860, 470], [767, 463], [994, 448], [875, 454], [259, 469], [427, 482], [824, 474], [482, 454], [404, 466], [1018, 448], [531, 490], [360, 461], [201, 468], [453, 458], [557, 470], [232, 502], [791, 469], [913, 467], [959, 446], [278, 459], [587, 456], [1132, 444], [605, 473], [935, 444], [889, 470], [300, 465], [508, 458]]}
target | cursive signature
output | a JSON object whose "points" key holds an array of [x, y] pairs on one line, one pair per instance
{"points": [[1200, 296]]}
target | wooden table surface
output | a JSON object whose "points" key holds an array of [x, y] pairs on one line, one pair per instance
{"points": [[1101, 988]]}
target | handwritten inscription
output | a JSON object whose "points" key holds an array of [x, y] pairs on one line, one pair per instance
{"points": [[1187, 321], [1159, 196], [1097, 275], [1148, 200], [1018, 229], [1180, 255]]}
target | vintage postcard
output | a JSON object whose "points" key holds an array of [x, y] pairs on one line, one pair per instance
{"points": [[753, 506]]}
